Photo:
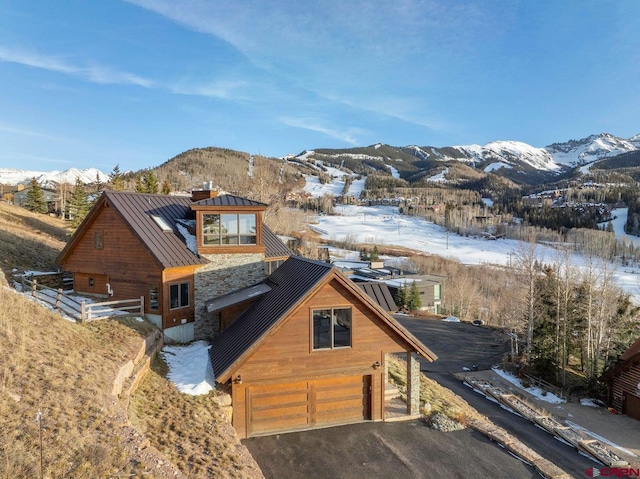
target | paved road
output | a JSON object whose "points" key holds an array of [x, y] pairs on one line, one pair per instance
{"points": [[383, 450], [461, 345]]}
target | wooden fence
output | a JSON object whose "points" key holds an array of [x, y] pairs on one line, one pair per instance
{"points": [[81, 310]]}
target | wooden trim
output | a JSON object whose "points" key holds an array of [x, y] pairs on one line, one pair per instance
{"points": [[227, 208], [258, 249]]}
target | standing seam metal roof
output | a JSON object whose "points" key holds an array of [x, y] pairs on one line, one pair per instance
{"points": [[169, 248], [228, 200], [289, 284]]}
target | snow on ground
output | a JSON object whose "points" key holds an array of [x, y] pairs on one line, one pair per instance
{"points": [[189, 367], [440, 177], [384, 225], [534, 391], [620, 219], [335, 187], [395, 173], [497, 166]]}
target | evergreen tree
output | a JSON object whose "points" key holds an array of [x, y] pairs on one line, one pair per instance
{"points": [[78, 205], [34, 200], [401, 296], [166, 187], [97, 185], [151, 182], [375, 254], [364, 254], [140, 186], [413, 297], [117, 180]]}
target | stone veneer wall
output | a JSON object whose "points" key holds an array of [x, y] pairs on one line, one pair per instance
{"points": [[224, 274]]}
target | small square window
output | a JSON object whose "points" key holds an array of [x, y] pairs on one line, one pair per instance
{"points": [[331, 328], [91, 282]]}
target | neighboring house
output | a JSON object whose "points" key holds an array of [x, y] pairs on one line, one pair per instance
{"points": [[623, 381], [310, 351], [50, 197], [177, 252], [429, 285]]}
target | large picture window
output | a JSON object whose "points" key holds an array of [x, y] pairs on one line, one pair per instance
{"points": [[331, 328], [228, 229], [179, 295]]}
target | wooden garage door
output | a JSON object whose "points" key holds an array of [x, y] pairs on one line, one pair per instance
{"points": [[307, 404], [631, 405]]}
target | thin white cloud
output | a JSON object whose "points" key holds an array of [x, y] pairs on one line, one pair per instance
{"points": [[225, 90], [313, 124], [93, 72], [21, 131]]}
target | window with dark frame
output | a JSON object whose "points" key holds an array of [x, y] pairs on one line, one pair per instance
{"points": [[179, 295], [331, 328], [98, 240], [154, 303], [91, 282], [229, 229]]}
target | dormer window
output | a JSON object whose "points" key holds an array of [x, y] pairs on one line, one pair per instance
{"points": [[229, 229]]}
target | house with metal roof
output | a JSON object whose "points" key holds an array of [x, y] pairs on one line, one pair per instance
{"points": [[311, 350], [623, 382], [176, 252]]}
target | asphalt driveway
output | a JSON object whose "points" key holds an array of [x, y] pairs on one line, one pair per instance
{"points": [[383, 450]]}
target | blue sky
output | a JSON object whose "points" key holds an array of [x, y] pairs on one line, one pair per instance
{"points": [[134, 83]]}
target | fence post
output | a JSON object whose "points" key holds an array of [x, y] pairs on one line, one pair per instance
{"points": [[34, 287], [82, 312], [142, 307], [58, 297]]}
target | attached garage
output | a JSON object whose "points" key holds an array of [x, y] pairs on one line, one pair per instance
{"points": [[307, 404], [311, 353]]}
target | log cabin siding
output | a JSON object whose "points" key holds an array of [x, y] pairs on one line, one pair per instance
{"points": [[626, 383]]}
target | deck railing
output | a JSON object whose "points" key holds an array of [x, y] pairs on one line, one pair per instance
{"points": [[81, 310]]}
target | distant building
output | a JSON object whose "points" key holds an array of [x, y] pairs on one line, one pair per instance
{"points": [[50, 196], [429, 285]]}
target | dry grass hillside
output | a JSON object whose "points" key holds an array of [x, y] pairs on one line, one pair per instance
{"points": [[29, 241], [66, 371]]}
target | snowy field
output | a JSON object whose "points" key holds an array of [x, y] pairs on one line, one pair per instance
{"points": [[384, 225]]}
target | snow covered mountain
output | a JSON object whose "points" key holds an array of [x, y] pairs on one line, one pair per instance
{"points": [[509, 158], [591, 149], [51, 179]]}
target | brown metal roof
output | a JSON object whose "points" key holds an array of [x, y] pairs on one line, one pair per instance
{"points": [[380, 293], [274, 247], [290, 284], [138, 210], [228, 200], [230, 299]]}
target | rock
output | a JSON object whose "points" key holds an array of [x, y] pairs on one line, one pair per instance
{"points": [[440, 422]]}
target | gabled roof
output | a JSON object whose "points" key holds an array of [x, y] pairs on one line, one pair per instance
{"points": [[274, 247], [626, 360], [296, 279], [138, 211], [228, 200], [380, 293]]}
